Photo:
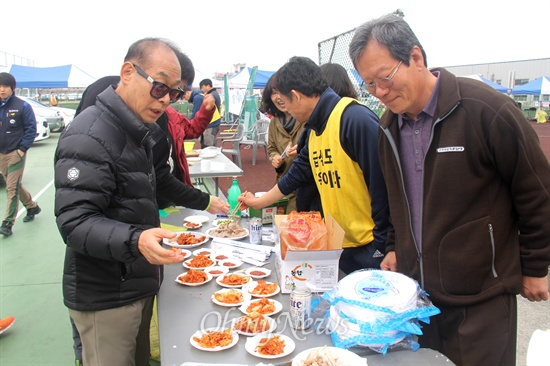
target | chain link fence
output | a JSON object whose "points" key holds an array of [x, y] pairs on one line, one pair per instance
{"points": [[335, 50]]}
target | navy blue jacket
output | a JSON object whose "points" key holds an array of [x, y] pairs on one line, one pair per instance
{"points": [[359, 139], [197, 97], [17, 125]]}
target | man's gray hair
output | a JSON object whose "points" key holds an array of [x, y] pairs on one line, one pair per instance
{"points": [[390, 31]]}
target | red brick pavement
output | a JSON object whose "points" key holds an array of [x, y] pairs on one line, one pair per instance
{"points": [[256, 178], [543, 130]]}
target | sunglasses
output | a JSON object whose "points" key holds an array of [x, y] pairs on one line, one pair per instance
{"points": [[159, 90]]}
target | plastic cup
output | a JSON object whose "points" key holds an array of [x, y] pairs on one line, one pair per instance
{"points": [[206, 165]]}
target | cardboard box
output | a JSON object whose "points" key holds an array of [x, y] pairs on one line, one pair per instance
{"points": [[317, 269], [268, 213]]}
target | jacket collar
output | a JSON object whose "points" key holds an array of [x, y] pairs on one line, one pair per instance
{"points": [[145, 134], [4, 102], [319, 117]]}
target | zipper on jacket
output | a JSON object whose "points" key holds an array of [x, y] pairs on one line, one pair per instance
{"points": [[396, 155], [491, 235]]}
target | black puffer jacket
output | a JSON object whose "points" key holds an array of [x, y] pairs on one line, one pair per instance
{"points": [[105, 198]]}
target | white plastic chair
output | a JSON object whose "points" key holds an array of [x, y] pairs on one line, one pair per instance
{"points": [[259, 138], [235, 141]]}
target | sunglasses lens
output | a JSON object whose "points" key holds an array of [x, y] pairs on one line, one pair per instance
{"points": [[175, 95], [159, 90]]}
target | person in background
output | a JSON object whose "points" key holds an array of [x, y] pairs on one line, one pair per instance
{"points": [[171, 167], [282, 136], [341, 156], [338, 80], [541, 115], [469, 193], [106, 209], [17, 133], [53, 100], [178, 128], [187, 91], [208, 138]]}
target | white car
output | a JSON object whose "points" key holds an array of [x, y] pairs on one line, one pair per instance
{"points": [[43, 112], [42, 128], [67, 114]]}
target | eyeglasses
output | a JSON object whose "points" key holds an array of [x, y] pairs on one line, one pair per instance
{"points": [[384, 83], [159, 90]]}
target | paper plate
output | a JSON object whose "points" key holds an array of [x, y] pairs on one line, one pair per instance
{"points": [[174, 241], [220, 278], [274, 304], [257, 272], [345, 329], [200, 219], [381, 288], [230, 263], [217, 222], [199, 334], [252, 344], [210, 233], [344, 356], [186, 253], [203, 251], [272, 326], [192, 225], [194, 159], [193, 284], [252, 285], [225, 290], [189, 265], [220, 256], [217, 271]]}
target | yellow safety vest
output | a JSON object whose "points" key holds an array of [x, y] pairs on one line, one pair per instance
{"points": [[216, 116], [339, 179]]}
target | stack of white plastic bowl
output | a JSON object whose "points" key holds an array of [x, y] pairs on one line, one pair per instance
{"points": [[368, 308]]}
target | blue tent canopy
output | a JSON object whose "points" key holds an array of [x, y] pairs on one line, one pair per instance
{"points": [[262, 77], [538, 86], [67, 76], [492, 84], [240, 80]]}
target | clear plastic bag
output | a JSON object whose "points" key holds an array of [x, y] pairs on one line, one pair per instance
{"points": [[303, 231], [356, 323]]}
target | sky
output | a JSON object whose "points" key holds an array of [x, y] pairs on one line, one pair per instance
{"points": [[94, 35]]}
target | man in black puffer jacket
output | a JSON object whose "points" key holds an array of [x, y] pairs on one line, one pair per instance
{"points": [[106, 209]]}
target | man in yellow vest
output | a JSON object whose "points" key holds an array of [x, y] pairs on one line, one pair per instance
{"points": [[541, 115], [341, 156]]}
